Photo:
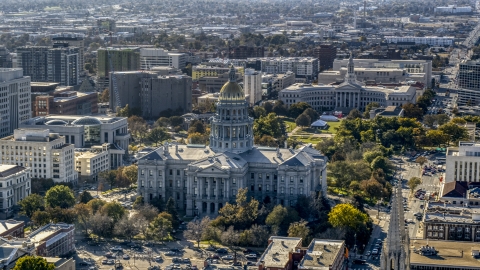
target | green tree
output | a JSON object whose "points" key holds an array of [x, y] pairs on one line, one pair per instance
{"points": [[454, 132], [114, 210], [160, 228], [241, 214], [85, 197], [312, 114], [196, 126], [354, 114], [279, 108], [109, 176], [437, 137], [297, 108], [32, 203], [300, 229], [412, 111], [280, 218], [33, 263], [259, 111], [158, 135], [414, 182], [96, 204], [162, 122], [83, 213], [345, 215], [370, 106], [40, 218], [382, 163], [139, 202], [131, 173], [198, 138], [61, 196], [369, 156], [268, 125], [126, 227], [171, 208], [176, 121], [230, 238], [372, 188], [303, 120]]}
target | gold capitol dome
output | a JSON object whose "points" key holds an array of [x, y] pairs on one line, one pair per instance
{"points": [[231, 90]]}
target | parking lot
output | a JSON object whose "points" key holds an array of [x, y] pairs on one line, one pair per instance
{"points": [[169, 256]]}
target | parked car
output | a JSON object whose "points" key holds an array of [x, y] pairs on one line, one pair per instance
{"points": [[251, 256], [227, 257], [214, 256], [249, 263], [170, 253], [222, 250], [248, 251], [104, 261], [126, 257], [158, 258], [368, 253], [116, 248], [211, 248], [186, 260], [375, 251]]}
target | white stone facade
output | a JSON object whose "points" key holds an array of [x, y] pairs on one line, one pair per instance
{"points": [[202, 179], [45, 153], [15, 185], [252, 83], [463, 163]]}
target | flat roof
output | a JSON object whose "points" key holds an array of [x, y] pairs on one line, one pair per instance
{"points": [[277, 252], [7, 170], [321, 254], [9, 224], [450, 253]]}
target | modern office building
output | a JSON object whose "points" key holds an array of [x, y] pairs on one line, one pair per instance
{"points": [[89, 162], [15, 104], [46, 154], [74, 41], [307, 68], [381, 71], [46, 64], [244, 52], [279, 82], [202, 179], [65, 101], [15, 185], [121, 58], [53, 240], [153, 57], [153, 93], [469, 83], [63, 65], [429, 40], [326, 54], [252, 84], [88, 131], [351, 94]]}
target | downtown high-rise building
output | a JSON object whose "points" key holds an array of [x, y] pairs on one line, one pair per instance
{"points": [[469, 83], [15, 93], [45, 64]]}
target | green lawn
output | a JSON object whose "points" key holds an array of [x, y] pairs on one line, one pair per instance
{"points": [[332, 127], [289, 124]]}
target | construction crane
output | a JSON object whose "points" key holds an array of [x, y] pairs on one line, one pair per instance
{"points": [[117, 104]]}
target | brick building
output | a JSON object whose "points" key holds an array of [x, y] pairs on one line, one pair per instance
{"points": [[54, 240], [326, 54], [65, 101], [11, 227]]}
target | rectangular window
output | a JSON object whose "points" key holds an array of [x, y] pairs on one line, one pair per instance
{"points": [[142, 172], [178, 183], [301, 179], [267, 188], [252, 175], [159, 173], [259, 176], [178, 172], [159, 184], [267, 176], [234, 181], [142, 183], [291, 191], [282, 190], [259, 187], [291, 179], [171, 172], [150, 172]]}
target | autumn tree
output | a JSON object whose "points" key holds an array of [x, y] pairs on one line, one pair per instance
{"points": [[345, 215], [421, 160]]}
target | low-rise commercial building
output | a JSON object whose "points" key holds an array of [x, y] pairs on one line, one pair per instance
{"points": [[67, 102], [11, 228], [14, 249], [90, 162], [45, 154], [429, 40], [62, 263], [15, 185], [281, 253], [53, 240], [152, 57]]}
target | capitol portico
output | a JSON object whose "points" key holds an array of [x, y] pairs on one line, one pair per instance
{"points": [[202, 178]]}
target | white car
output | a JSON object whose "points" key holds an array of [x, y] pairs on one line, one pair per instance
{"points": [[126, 257], [375, 251], [227, 257], [251, 256], [116, 248]]}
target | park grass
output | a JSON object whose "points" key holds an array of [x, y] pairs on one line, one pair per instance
{"points": [[289, 124], [332, 127]]}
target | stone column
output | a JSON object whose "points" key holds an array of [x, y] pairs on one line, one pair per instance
{"points": [[217, 189], [200, 188], [227, 189]]}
